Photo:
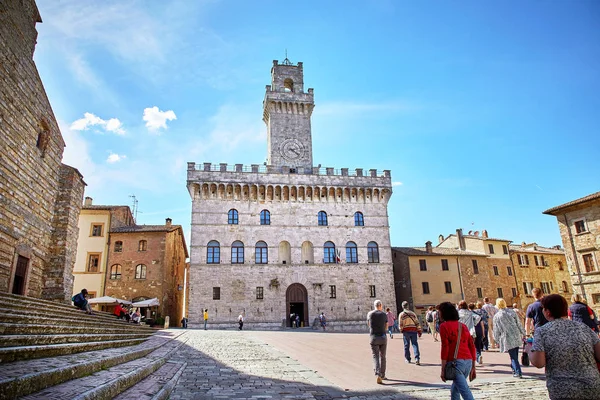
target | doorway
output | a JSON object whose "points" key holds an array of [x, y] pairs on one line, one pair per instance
{"points": [[20, 276], [297, 303]]}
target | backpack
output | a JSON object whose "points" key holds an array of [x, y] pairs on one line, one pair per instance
{"points": [[429, 317]]}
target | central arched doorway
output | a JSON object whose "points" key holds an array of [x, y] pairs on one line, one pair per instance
{"points": [[296, 299]]}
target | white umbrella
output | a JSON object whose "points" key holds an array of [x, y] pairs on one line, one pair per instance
{"points": [[147, 303], [107, 300]]}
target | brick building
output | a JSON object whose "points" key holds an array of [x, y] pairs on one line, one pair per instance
{"points": [[147, 261], [543, 267], [579, 225], [288, 237], [95, 224], [492, 276], [40, 197]]}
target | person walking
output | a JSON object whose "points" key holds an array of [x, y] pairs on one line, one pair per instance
{"points": [[323, 321], [479, 331], [411, 330], [377, 321], [509, 334], [534, 317], [430, 319], [569, 350], [241, 321], [491, 310], [391, 318], [205, 315], [580, 312], [462, 351]]}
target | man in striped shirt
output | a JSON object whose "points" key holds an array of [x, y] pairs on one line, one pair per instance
{"points": [[411, 331]]}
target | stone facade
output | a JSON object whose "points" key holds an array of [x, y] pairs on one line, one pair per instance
{"points": [[40, 198], [579, 225], [542, 267], [295, 270], [492, 276], [147, 261]]}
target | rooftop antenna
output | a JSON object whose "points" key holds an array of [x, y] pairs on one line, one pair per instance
{"points": [[135, 207], [286, 61]]}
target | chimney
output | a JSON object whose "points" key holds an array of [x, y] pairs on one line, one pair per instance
{"points": [[428, 247], [461, 239], [484, 234], [88, 201], [441, 238], [168, 221], [557, 247], [523, 244]]}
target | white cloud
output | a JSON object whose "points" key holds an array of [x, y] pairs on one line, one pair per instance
{"points": [[89, 119], [156, 119], [114, 157], [397, 183]]}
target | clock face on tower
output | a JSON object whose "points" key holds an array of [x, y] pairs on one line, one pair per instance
{"points": [[291, 149]]}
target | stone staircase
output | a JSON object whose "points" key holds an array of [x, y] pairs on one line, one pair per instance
{"points": [[55, 351]]}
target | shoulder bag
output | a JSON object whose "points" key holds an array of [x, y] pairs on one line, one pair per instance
{"points": [[450, 368]]}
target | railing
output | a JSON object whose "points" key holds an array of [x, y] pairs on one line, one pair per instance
{"points": [[271, 169]]}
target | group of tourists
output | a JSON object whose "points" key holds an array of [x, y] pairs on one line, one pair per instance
{"points": [[565, 341], [130, 314]]}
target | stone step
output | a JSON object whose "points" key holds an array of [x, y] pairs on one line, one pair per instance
{"points": [[25, 377], [10, 354], [39, 340], [108, 383], [53, 319], [33, 302], [42, 329], [158, 385], [72, 312]]}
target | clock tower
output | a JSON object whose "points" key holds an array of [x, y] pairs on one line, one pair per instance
{"points": [[287, 109]]}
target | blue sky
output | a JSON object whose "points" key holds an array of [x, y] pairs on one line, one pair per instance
{"points": [[485, 112]]}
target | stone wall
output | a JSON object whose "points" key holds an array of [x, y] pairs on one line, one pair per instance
{"points": [[403, 280], [31, 149]]}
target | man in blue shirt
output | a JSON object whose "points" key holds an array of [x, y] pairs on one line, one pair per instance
{"points": [[80, 301], [535, 316]]}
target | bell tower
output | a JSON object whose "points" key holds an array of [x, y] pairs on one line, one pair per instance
{"points": [[287, 109]]}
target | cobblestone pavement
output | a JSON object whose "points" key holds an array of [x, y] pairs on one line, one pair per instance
{"points": [[249, 365]]}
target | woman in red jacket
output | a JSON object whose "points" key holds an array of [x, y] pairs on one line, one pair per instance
{"points": [[465, 359]]}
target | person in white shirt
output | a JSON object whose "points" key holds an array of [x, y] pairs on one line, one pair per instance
{"points": [[241, 321], [491, 309]]}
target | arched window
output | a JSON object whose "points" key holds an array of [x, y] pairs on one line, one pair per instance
{"points": [[322, 218], [143, 245], [140, 271], [285, 253], [308, 254], [232, 217], [213, 252], [265, 217], [237, 252], [560, 266], [359, 220], [565, 286], [115, 272], [329, 256], [373, 252], [261, 255], [288, 85], [118, 246], [351, 253]]}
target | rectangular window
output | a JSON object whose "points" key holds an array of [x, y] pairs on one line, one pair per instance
{"points": [[448, 287], [588, 262], [514, 292], [536, 260], [544, 262], [372, 290], [580, 226], [526, 259], [259, 293], [445, 265], [527, 288], [545, 286], [475, 267], [93, 262], [504, 249], [496, 270], [491, 248], [96, 229], [351, 254], [425, 287], [596, 298], [500, 292], [509, 270], [216, 293], [423, 265], [479, 293], [332, 293]]}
